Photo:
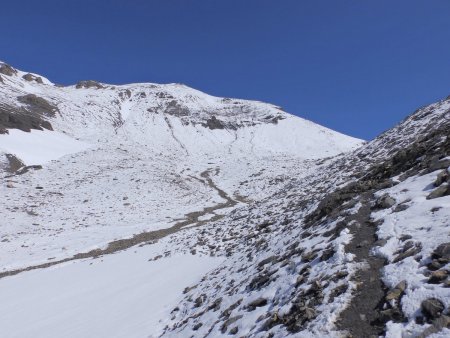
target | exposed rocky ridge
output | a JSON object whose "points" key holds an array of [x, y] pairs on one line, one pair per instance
{"points": [[13, 117]]}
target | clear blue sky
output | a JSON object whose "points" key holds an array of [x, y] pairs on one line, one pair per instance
{"points": [[358, 67]]}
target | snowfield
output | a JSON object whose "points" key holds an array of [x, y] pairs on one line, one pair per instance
{"points": [[122, 295], [39, 147]]}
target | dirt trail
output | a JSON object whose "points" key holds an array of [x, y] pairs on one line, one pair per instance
{"points": [[191, 220], [361, 318]]}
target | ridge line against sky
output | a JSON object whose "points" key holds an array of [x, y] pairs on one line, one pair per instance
{"points": [[356, 67]]}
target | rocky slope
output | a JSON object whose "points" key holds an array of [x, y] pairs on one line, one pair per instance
{"points": [[357, 249]]}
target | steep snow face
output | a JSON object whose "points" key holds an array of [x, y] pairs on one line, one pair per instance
{"points": [[167, 118]]}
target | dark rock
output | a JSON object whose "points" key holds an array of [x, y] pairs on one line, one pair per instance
{"points": [[408, 251], [364, 243], [339, 275], [337, 291], [175, 109], [405, 237], [432, 308], [381, 242], [31, 77], [442, 252], [259, 281], [14, 163], [265, 224], [215, 305], [199, 300], [309, 256], [442, 177], [436, 326], [12, 117], [27, 168], [434, 265], [257, 303], [401, 207], [197, 326], [267, 260], [396, 292], [228, 322], [7, 70], [384, 202], [214, 123], [420, 320], [234, 330], [327, 254], [437, 164], [438, 276], [299, 281], [441, 191], [393, 314], [38, 104], [89, 84]]}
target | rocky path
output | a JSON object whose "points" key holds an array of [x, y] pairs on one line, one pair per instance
{"points": [[361, 318], [192, 219]]}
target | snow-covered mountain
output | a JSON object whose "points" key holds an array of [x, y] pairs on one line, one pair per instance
{"points": [[145, 210], [119, 160], [171, 118]]}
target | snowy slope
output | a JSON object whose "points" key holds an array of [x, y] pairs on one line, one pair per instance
{"points": [[120, 160], [179, 214], [345, 251], [95, 299], [168, 118]]}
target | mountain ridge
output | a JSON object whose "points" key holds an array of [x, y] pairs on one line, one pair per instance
{"points": [[142, 109]]}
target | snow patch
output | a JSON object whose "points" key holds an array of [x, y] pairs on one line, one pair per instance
{"points": [[39, 147]]}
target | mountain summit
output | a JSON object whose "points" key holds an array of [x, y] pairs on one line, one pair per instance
{"points": [[170, 118]]}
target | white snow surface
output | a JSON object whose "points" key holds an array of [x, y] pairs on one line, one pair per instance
{"points": [[428, 223], [122, 295], [39, 147]]}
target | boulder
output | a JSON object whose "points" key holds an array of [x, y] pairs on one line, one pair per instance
{"points": [[436, 326], [442, 252], [89, 84], [7, 70], [441, 191], [30, 77], [385, 202], [396, 292], [442, 177], [257, 303], [438, 276], [432, 308]]}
